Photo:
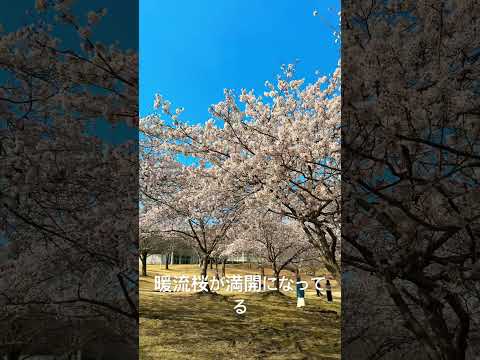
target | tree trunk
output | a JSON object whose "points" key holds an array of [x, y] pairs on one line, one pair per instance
{"points": [[224, 262], [211, 264], [143, 259], [277, 279], [167, 261], [216, 269], [205, 262], [205, 269], [318, 239], [334, 270], [144, 267], [262, 276]]}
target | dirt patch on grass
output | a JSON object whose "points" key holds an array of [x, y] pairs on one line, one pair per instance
{"points": [[212, 295]]}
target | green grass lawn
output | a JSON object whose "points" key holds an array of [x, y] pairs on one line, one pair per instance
{"points": [[201, 326]]}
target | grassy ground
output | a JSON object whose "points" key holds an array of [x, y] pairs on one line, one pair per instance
{"points": [[201, 326]]}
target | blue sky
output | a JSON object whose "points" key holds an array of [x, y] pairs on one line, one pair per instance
{"points": [[191, 50]]}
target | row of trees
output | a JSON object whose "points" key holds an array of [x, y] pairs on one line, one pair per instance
{"points": [[262, 176]]}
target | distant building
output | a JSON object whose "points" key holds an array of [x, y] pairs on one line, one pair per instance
{"points": [[178, 256], [189, 256]]}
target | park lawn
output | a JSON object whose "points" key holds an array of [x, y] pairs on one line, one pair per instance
{"points": [[201, 326]]}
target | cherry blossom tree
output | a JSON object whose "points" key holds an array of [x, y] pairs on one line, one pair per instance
{"points": [[272, 239], [193, 207], [282, 149]]}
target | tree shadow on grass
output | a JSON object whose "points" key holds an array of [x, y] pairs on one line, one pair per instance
{"points": [[205, 326]]}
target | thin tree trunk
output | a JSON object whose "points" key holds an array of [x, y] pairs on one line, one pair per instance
{"points": [[224, 263], [216, 269], [205, 269], [211, 264], [143, 259], [277, 279], [167, 261], [205, 262], [262, 276], [144, 267]]}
